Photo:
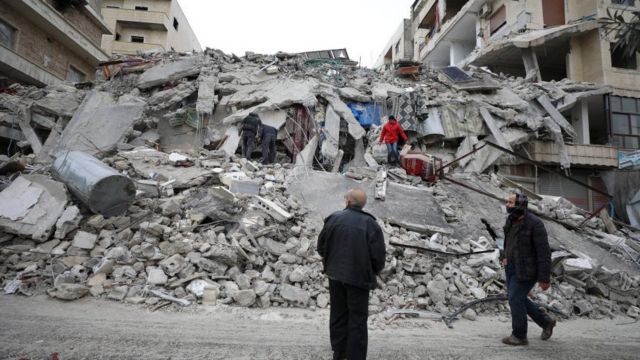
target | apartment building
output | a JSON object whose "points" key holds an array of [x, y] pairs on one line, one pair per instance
{"points": [[547, 40], [45, 42], [146, 25]]}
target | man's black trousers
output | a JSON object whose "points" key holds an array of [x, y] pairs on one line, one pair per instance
{"points": [[348, 320]]}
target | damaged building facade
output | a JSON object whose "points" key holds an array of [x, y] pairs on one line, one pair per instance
{"points": [[549, 40], [149, 25], [47, 42]]}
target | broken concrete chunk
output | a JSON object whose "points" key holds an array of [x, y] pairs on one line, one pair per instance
{"points": [[84, 240], [155, 276], [68, 221], [244, 298], [272, 209], [31, 206], [294, 294], [67, 291]]}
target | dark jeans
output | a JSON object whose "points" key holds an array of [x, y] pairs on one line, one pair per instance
{"points": [[269, 149], [392, 153], [348, 320], [248, 143], [520, 304]]}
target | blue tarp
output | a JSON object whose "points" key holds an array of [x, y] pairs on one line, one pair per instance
{"points": [[366, 113]]}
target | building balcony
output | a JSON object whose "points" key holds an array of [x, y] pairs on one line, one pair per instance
{"points": [[580, 155], [132, 48], [151, 20], [24, 70]]}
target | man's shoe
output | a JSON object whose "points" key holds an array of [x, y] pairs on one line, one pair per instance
{"points": [[548, 330], [512, 340]]}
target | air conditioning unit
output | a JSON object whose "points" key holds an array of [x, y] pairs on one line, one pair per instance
{"points": [[485, 10]]}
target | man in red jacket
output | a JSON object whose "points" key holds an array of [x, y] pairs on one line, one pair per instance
{"points": [[389, 135]]}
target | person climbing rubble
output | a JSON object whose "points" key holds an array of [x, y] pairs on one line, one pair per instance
{"points": [[250, 126], [352, 247], [389, 135], [527, 260], [268, 136]]}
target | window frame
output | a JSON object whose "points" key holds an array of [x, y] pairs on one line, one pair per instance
{"points": [[501, 9], [620, 53], [620, 112], [14, 36], [75, 69], [131, 39]]}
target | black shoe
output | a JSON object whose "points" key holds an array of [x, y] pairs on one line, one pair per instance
{"points": [[548, 330]]}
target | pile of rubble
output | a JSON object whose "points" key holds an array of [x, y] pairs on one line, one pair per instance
{"points": [[128, 188]]}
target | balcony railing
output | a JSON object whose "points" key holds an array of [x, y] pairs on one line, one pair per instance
{"points": [[153, 20], [132, 48]]}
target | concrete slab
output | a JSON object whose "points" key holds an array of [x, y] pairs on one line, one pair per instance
{"points": [[31, 206], [406, 206], [166, 72], [329, 146], [206, 94], [100, 124], [148, 162]]}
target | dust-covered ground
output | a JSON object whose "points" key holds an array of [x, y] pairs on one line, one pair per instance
{"points": [[35, 328]]}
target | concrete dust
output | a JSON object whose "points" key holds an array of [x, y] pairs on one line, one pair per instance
{"points": [[36, 327]]}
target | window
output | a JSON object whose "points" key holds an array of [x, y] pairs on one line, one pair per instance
{"points": [[7, 35], [75, 75], [625, 121], [137, 39], [118, 37], [624, 2], [142, 8], [620, 60], [498, 19], [113, 7], [175, 23]]}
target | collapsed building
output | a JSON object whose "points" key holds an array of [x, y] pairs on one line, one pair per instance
{"points": [[130, 187]]}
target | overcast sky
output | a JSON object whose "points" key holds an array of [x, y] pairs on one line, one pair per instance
{"points": [[363, 27]]}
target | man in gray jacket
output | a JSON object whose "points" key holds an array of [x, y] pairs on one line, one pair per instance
{"points": [[353, 253], [527, 260]]}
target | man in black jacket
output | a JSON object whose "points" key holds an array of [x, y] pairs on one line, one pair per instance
{"points": [[269, 136], [250, 126], [353, 253], [527, 260]]}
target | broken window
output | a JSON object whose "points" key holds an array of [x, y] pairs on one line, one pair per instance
{"points": [[498, 19], [137, 39], [621, 60], [7, 35], [175, 23], [625, 121], [624, 2], [142, 8], [75, 75]]}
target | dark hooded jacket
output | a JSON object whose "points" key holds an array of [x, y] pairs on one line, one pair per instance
{"points": [[530, 249], [251, 123], [352, 247]]}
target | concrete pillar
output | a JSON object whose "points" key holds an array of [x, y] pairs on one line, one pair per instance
{"points": [[531, 62], [581, 122], [456, 53]]}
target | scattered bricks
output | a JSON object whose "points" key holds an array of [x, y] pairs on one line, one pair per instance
{"points": [[172, 265], [272, 209], [210, 297], [84, 240]]}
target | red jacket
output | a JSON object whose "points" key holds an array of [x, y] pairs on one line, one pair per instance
{"points": [[390, 132]]}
